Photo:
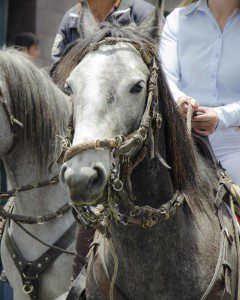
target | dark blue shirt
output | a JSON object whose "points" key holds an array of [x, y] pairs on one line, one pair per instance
{"points": [[128, 11]]}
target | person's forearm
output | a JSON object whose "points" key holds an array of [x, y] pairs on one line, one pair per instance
{"points": [[229, 115]]}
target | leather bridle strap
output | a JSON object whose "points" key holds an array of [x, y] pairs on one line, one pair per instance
{"points": [[28, 219], [35, 220], [17, 190]]}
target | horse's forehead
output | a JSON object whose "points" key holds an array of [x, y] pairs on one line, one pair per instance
{"points": [[110, 57]]}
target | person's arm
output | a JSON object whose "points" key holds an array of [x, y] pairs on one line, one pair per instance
{"points": [[61, 40], [229, 115], [214, 118], [169, 54], [141, 10]]}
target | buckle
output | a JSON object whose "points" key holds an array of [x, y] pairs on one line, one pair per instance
{"points": [[40, 220], [28, 287], [165, 214]]}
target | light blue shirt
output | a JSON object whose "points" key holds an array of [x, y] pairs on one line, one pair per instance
{"points": [[202, 62]]}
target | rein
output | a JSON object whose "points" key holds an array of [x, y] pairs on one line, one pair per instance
{"points": [[28, 219]]}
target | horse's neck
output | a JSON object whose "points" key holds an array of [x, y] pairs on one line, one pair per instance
{"points": [[152, 183], [163, 248], [23, 170]]}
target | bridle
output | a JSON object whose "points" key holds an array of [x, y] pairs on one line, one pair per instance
{"points": [[121, 146]]}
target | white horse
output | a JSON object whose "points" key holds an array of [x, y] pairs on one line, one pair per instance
{"points": [[42, 108]]}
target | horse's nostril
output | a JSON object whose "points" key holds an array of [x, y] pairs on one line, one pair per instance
{"points": [[62, 173], [100, 178]]}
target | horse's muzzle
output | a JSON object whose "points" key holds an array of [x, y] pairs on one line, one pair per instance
{"points": [[86, 184]]}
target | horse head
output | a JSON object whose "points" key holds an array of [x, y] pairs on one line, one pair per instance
{"points": [[109, 88]]}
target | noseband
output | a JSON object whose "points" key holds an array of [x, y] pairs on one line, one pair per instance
{"points": [[14, 123]]}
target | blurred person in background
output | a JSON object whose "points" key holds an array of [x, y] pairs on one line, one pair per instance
{"points": [[124, 11], [27, 42]]}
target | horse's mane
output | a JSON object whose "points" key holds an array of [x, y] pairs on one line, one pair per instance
{"points": [[188, 171], [35, 101]]}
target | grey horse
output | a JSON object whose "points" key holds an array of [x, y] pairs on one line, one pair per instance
{"points": [[175, 259], [43, 109]]}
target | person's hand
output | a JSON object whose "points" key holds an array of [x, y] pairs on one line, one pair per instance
{"points": [[184, 102], [206, 121]]}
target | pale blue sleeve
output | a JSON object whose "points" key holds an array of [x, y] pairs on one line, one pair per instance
{"points": [[169, 53], [229, 115]]}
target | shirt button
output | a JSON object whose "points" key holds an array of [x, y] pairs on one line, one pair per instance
{"points": [[213, 76]]}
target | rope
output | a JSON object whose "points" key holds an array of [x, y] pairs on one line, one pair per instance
{"points": [[189, 118], [236, 233], [187, 100], [115, 272], [91, 145]]}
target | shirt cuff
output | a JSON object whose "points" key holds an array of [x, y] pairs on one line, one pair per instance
{"points": [[229, 115]]}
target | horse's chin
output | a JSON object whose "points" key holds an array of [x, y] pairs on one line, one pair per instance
{"points": [[93, 200]]}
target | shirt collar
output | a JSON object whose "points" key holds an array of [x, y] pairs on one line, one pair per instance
{"points": [[200, 5]]}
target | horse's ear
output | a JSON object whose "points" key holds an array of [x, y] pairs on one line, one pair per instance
{"points": [[153, 24], [87, 24]]}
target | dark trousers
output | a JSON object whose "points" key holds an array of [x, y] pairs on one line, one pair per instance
{"points": [[83, 242]]}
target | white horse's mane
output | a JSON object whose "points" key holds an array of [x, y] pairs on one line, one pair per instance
{"points": [[34, 100]]}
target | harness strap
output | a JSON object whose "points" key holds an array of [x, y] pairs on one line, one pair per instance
{"points": [[34, 220], [29, 187], [31, 270], [146, 216], [78, 289]]}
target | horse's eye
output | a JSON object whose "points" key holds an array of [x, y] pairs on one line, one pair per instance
{"points": [[137, 88], [67, 89]]}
